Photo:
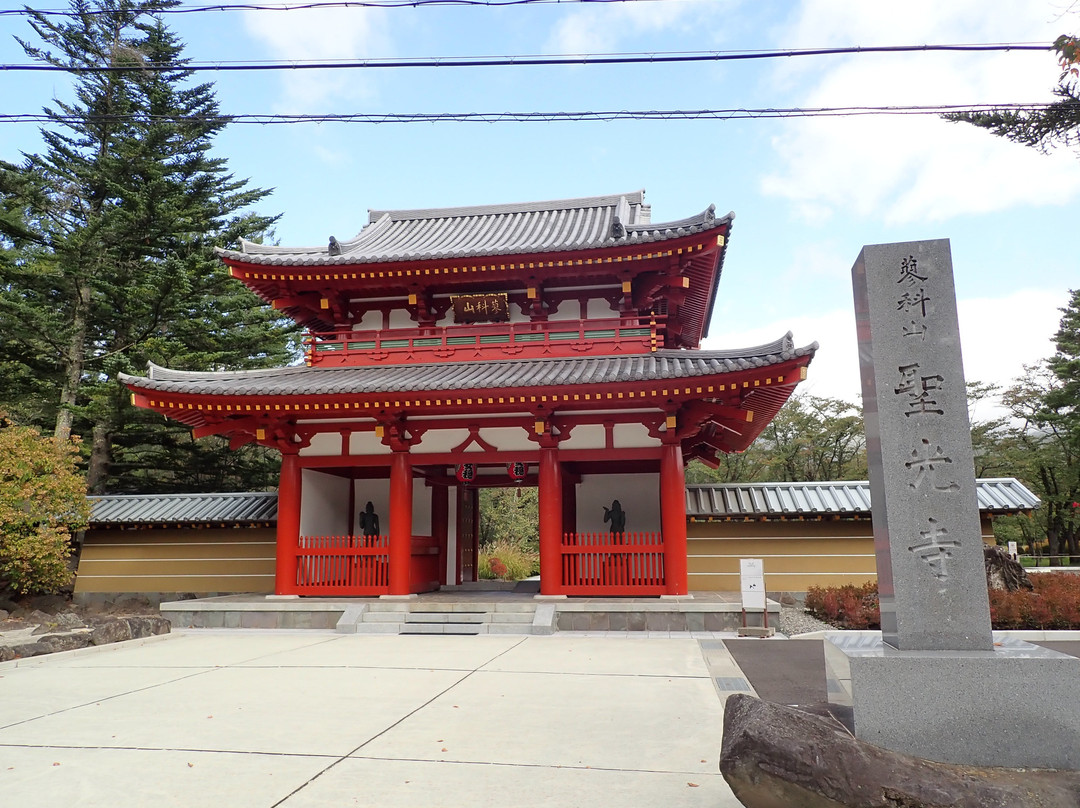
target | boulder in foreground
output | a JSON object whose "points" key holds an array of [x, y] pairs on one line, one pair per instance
{"points": [[776, 757]]}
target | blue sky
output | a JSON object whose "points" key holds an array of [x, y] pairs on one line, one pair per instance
{"points": [[807, 193]]}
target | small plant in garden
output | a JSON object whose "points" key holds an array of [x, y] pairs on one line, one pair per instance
{"points": [[849, 606], [507, 561]]}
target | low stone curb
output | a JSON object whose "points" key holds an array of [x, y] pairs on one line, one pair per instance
{"points": [[99, 631]]}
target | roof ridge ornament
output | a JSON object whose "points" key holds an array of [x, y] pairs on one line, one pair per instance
{"points": [[334, 248], [617, 229]]}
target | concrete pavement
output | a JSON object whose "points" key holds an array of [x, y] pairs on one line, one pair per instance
{"points": [[311, 718]]}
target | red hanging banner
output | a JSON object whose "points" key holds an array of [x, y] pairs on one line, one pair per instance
{"points": [[466, 472], [517, 470]]}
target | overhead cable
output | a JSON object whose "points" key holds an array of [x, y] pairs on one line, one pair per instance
{"points": [[538, 117], [181, 9], [517, 61]]}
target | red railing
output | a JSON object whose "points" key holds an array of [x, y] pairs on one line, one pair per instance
{"points": [[612, 564], [343, 565], [485, 341]]}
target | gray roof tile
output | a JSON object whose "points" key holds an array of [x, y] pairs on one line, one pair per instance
{"points": [[773, 500], [239, 508], [486, 375], [517, 229], [997, 495]]}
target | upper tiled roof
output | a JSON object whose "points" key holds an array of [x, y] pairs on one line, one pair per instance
{"points": [[726, 500], [531, 227], [128, 509], [656, 366]]}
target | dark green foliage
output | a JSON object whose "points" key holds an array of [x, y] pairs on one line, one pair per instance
{"points": [[811, 438], [510, 516], [109, 236], [1058, 124]]}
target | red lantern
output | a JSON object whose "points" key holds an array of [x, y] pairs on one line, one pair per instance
{"points": [[517, 470], [466, 472]]}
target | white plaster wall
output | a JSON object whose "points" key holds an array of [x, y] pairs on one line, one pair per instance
{"points": [[568, 310], [585, 437], [508, 438], [378, 493], [324, 502], [371, 321], [505, 439], [325, 443], [440, 440], [421, 507], [639, 495], [633, 436], [366, 443], [400, 318]]}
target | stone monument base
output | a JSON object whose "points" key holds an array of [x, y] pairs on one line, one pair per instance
{"points": [[1014, 706]]}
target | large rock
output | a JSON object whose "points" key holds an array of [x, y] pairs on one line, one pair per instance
{"points": [[118, 629], [1003, 571], [776, 757], [66, 641], [110, 631]]}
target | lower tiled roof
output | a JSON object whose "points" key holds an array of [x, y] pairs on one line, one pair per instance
{"points": [[996, 496], [657, 366], [183, 509], [1001, 495]]}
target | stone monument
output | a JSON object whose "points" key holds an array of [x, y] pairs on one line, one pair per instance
{"points": [[935, 684]]}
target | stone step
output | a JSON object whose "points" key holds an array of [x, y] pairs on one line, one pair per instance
{"points": [[440, 628], [446, 617]]}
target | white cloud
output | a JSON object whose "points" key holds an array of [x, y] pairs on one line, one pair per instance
{"points": [[600, 28], [908, 168], [324, 35], [998, 337]]}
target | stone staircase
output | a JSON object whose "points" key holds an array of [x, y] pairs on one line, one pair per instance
{"points": [[418, 617]]}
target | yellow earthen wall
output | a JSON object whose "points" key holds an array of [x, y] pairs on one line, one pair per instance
{"points": [[796, 555], [178, 560]]}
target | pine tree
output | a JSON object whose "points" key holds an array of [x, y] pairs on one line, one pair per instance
{"points": [[124, 206], [1057, 124]]}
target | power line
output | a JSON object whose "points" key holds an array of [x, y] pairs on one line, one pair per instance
{"points": [[538, 117], [180, 9], [530, 60]]}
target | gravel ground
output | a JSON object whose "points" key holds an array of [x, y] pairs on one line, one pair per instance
{"points": [[794, 620]]}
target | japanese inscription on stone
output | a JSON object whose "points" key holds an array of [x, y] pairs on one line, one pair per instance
{"points": [[927, 535]]}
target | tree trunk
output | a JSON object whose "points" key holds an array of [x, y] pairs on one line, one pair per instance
{"points": [[74, 362], [100, 459]]}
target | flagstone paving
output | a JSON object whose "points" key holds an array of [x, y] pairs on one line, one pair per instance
{"points": [[279, 718]]}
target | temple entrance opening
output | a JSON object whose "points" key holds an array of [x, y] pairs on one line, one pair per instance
{"points": [[509, 532]]}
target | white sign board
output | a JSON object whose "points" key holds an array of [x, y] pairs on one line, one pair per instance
{"points": [[1013, 551], [752, 574]]}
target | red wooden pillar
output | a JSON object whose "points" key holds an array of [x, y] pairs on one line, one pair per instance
{"points": [[288, 525], [401, 489], [550, 517], [440, 518], [673, 518]]}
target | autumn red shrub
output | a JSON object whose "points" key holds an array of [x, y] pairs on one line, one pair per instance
{"points": [[848, 606], [1054, 604], [497, 567]]}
